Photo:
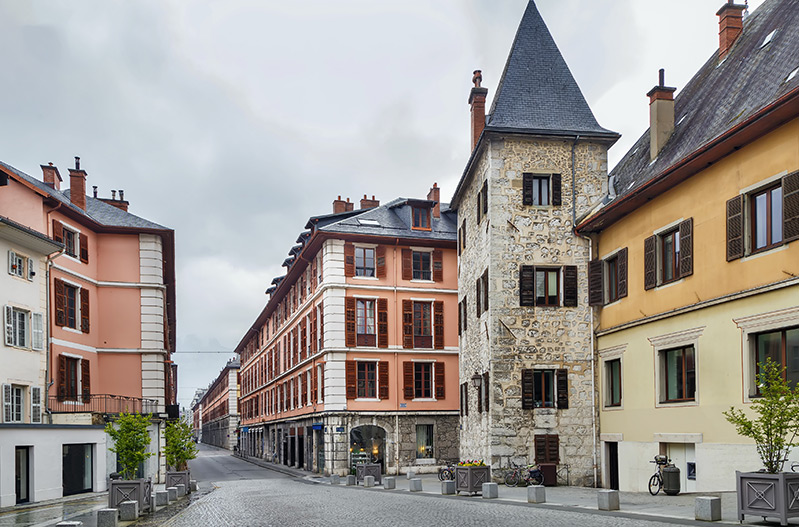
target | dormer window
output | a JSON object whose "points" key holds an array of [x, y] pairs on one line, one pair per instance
{"points": [[421, 218]]}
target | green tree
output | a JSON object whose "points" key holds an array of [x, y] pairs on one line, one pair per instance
{"points": [[130, 437], [179, 447], [775, 428]]}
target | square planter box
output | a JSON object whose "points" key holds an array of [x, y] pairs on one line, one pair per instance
{"points": [[139, 490], [368, 469], [768, 495], [471, 479], [181, 477]]}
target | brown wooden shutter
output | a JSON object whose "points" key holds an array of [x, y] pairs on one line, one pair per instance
{"points": [[687, 247], [465, 314], [479, 400], [407, 264], [438, 265], [83, 242], [596, 290], [735, 228], [382, 379], [58, 231], [303, 390], [350, 368], [60, 302], [478, 296], [790, 207], [439, 380], [61, 388], [485, 197], [650, 263], [407, 376], [621, 269], [349, 259], [466, 398], [407, 324], [528, 389], [547, 449], [463, 227], [349, 325], [84, 310], [460, 241], [313, 339], [562, 388], [556, 200], [380, 261], [527, 285], [303, 340], [382, 323], [313, 275], [322, 384], [438, 325], [485, 290], [85, 381], [314, 385], [570, 286], [486, 391], [460, 394], [460, 318], [321, 326], [479, 206], [527, 189]]}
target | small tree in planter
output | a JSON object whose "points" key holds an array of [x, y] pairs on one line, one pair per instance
{"points": [[130, 437], [179, 450]]}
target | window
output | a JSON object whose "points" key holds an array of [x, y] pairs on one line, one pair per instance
{"points": [[545, 388], [422, 380], [766, 218], [364, 261], [424, 441], [547, 448], [367, 380], [612, 269], [365, 315], [421, 266], [70, 239], [613, 382], [17, 333], [782, 346], [544, 382], [13, 403], [481, 290], [421, 218], [482, 202], [541, 286], [678, 368], [541, 189], [668, 255], [607, 279], [17, 266], [70, 384], [547, 287], [418, 329], [422, 330]]}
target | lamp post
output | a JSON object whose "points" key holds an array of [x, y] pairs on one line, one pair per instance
{"points": [[477, 380]]}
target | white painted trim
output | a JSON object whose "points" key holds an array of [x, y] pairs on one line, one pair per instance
{"points": [[428, 300], [677, 339], [70, 355], [103, 283], [615, 438], [131, 350], [68, 344], [612, 353], [763, 183], [677, 438], [364, 359]]}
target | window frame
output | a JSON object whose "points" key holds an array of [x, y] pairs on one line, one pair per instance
{"points": [[769, 213], [540, 388], [662, 343], [431, 439], [425, 275], [422, 385], [547, 295], [683, 380], [783, 333], [422, 340], [366, 380], [71, 304], [69, 377], [613, 378], [612, 278], [363, 270], [420, 218], [541, 182], [16, 264], [674, 235], [363, 307], [71, 242]]}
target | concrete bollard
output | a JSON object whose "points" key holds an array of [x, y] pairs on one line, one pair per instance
{"points": [[536, 494], [193, 485], [181, 489], [368, 481], [335, 479], [411, 474], [161, 498], [129, 511], [173, 493], [69, 524], [708, 508], [351, 480], [389, 483], [416, 485], [490, 491], [447, 488], [608, 500], [107, 517]]}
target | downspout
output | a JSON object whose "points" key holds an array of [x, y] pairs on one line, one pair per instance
{"points": [[48, 353], [396, 364]]}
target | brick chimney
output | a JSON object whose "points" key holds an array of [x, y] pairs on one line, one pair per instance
{"points": [[51, 176], [77, 185], [340, 205], [477, 99], [118, 203], [435, 195], [730, 25], [369, 203], [661, 115]]}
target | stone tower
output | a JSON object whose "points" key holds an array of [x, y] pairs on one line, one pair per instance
{"points": [[539, 161]]}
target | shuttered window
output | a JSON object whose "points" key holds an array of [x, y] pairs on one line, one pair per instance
{"points": [[607, 279], [382, 380], [545, 389], [380, 261], [668, 256], [541, 189], [547, 448], [382, 323]]}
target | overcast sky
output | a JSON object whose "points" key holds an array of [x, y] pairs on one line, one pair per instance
{"points": [[234, 121]]}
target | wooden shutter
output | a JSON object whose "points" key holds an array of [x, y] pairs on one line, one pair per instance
{"points": [[60, 302], [562, 388], [527, 285], [438, 325], [650, 263], [313, 274], [407, 324], [380, 261], [460, 394], [465, 314], [460, 318], [7, 403], [9, 325], [621, 270], [37, 331], [687, 247], [314, 385], [596, 290], [382, 323], [61, 381], [58, 231], [485, 197], [84, 310], [528, 389], [527, 189], [351, 370], [440, 392], [321, 326], [556, 194], [479, 400], [349, 259], [407, 264], [382, 380], [303, 389], [790, 207], [485, 290], [85, 380], [735, 228], [478, 296], [438, 265], [407, 376], [486, 391], [314, 336], [83, 242], [303, 340], [349, 325], [466, 398], [570, 286], [479, 206], [547, 449], [36, 404]]}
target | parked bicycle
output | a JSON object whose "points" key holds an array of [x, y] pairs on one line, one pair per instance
{"points": [[530, 475], [447, 473], [656, 481]]}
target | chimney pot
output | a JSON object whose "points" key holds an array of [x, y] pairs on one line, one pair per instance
{"points": [[477, 100], [77, 163], [121, 195], [114, 195], [94, 190], [661, 114]]}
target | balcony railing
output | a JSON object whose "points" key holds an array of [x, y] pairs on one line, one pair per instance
{"points": [[101, 403]]}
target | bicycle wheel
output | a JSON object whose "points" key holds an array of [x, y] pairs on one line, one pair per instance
{"points": [[449, 474], [441, 474], [536, 479], [654, 484], [512, 479]]}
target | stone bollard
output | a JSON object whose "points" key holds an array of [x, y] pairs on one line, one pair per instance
{"points": [[129, 511], [447, 487], [708, 508], [368, 481], [107, 517], [173, 493], [411, 474], [181, 489], [335, 479], [161, 498], [351, 480], [536, 494], [193, 485], [608, 500], [389, 483], [490, 491], [69, 524], [416, 485]]}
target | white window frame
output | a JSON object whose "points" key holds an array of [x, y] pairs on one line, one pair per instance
{"points": [[77, 287], [373, 247], [13, 410], [34, 328], [432, 363], [607, 355], [663, 343], [377, 378], [76, 231], [422, 250]]}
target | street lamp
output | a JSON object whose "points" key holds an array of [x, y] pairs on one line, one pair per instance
{"points": [[477, 380]]}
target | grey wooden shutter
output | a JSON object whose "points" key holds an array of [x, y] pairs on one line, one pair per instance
{"points": [[650, 263], [12, 262], [486, 391], [596, 291], [31, 269], [527, 285], [36, 404], [7, 403], [562, 384], [37, 331], [478, 296], [9, 324], [570, 286], [527, 189], [555, 179], [790, 207], [735, 228], [687, 247], [528, 389], [621, 270]]}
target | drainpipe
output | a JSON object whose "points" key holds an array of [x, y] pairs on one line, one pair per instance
{"points": [[396, 364], [48, 383]]}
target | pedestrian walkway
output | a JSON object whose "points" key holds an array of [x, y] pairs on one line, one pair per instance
{"points": [[76, 508]]}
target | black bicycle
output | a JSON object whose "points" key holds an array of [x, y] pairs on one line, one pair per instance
{"points": [[656, 481], [447, 473]]}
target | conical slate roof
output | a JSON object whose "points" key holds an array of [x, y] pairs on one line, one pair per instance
{"points": [[537, 93]]}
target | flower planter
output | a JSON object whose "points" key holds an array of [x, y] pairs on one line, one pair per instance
{"points": [[368, 469], [768, 495], [138, 490], [181, 477], [471, 479]]}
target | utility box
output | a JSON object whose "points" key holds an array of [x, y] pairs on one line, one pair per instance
{"points": [[550, 473], [671, 480]]}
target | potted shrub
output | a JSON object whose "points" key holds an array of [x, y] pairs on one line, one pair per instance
{"points": [[179, 449], [770, 491], [130, 437], [470, 476]]}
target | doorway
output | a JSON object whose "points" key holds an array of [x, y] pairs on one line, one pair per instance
{"points": [[367, 445], [76, 475], [613, 465], [22, 479]]}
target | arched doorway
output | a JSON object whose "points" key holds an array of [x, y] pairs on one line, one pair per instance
{"points": [[368, 445]]}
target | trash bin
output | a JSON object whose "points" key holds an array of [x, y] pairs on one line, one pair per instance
{"points": [[671, 480], [550, 473]]}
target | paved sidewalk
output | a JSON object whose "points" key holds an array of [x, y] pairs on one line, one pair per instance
{"points": [[40, 514]]}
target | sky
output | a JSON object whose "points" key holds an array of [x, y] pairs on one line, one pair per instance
{"points": [[233, 122]]}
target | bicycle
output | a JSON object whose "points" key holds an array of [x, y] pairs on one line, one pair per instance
{"points": [[512, 474], [447, 473], [656, 481], [530, 475]]}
